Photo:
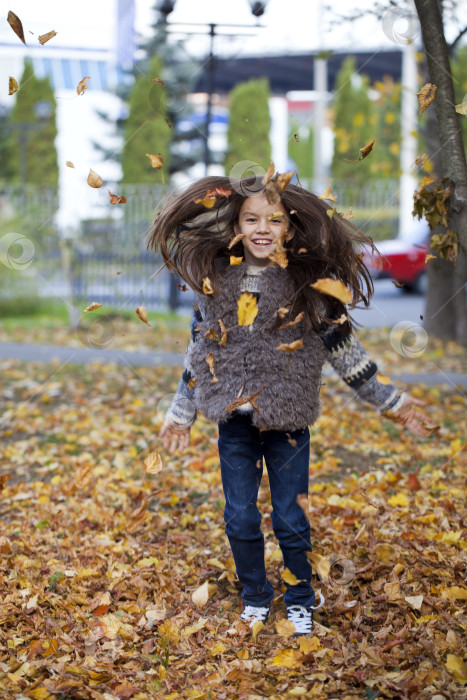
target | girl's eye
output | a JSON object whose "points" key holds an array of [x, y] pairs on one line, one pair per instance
{"points": [[250, 219]]}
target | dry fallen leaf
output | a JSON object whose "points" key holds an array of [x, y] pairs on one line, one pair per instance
{"points": [[142, 314], [44, 38], [210, 360], [235, 261], [92, 306], [207, 286], [366, 150], [94, 180], [236, 239], [116, 199], [82, 86], [207, 202], [328, 194], [291, 347], [247, 309], [223, 340], [333, 288], [201, 596], [285, 628], [12, 86], [15, 23], [156, 160], [426, 96], [153, 463]]}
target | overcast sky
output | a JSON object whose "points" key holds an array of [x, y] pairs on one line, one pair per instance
{"points": [[289, 25]]}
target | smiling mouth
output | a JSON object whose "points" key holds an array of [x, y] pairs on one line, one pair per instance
{"points": [[262, 241]]}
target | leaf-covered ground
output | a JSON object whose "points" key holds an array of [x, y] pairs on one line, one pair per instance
{"points": [[100, 559]]}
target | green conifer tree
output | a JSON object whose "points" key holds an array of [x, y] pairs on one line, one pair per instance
{"points": [[33, 131], [384, 160], [146, 129], [301, 149], [249, 122], [354, 125], [459, 77]]}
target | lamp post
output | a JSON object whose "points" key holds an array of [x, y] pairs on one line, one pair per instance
{"points": [[165, 7]]}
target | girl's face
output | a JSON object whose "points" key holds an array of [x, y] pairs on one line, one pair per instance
{"points": [[263, 224]]}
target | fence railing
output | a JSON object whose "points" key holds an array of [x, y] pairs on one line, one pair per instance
{"points": [[105, 258]]}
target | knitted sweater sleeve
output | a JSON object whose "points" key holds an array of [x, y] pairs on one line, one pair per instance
{"points": [[351, 361], [182, 410]]}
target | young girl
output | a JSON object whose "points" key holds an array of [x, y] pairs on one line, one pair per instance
{"points": [[259, 249]]}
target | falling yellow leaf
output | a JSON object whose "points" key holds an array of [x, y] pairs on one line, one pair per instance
{"points": [[366, 150], [15, 23], [201, 596], [349, 215], [308, 645], [207, 286], [328, 194], [94, 180], [291, 324], [207, 202], [142, 314], [236, 239], [247, 309], [156, 160], [153, 463], [382, 378], [457, 668], [12, 86], [290, 658], [291, 347], [429, 257], [426, 96], [283, 179], [116, 199], [462, 109], [44, 38], [399, 499], [82, 86], [285, 628], [93, 305], [289, 577], [235, 261], [69, 164], [334, 288]]}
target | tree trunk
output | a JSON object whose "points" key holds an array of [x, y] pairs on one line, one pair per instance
{"points": [[445, 314]]}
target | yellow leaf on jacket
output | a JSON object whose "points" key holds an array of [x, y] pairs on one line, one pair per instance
{"points": [[247, 309], [234, 260], [207, 286], [291, 347], [333, 288]]}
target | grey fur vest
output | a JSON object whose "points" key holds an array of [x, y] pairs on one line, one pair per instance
{"points": [[250, 361]]}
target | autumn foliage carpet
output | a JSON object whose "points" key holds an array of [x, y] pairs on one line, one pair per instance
{"points": [[100, 560]]}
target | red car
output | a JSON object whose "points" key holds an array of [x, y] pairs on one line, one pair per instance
{"points": [[402, 259]]}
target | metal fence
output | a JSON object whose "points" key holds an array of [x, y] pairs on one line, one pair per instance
{"points": [[106, 260]]}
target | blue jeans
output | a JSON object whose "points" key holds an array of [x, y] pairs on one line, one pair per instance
{"points": [[241, 450]]}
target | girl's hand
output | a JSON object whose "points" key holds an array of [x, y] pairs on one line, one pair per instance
{"points": [[412, 419], [175, 436]]}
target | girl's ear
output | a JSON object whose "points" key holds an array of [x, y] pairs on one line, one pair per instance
{"points": [[290, 234]]}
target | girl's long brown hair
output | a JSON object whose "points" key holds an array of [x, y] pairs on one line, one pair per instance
{"points": [[193, 242]]}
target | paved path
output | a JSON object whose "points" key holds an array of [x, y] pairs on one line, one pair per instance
{"points": [[81, 355]]}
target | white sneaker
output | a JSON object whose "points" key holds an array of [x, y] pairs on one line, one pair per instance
{"points": [[302, 617], [254, 614]]}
